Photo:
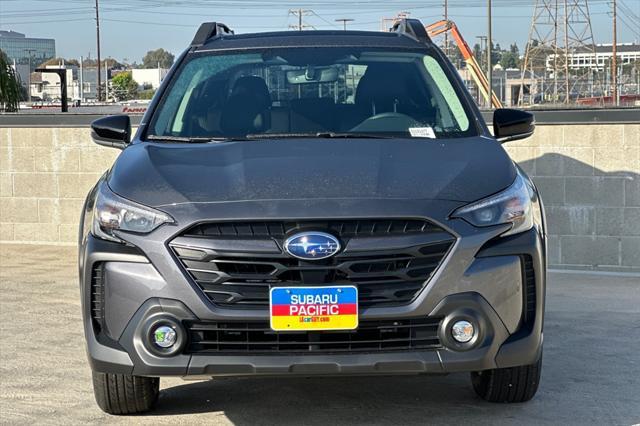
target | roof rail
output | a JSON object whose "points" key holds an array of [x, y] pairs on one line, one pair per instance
{"points": [[412, 28], [209, 30]]}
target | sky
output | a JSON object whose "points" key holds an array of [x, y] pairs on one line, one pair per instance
{"points": [[130, 28]]}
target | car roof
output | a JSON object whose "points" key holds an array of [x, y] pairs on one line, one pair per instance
{"points": [[332, 38]]}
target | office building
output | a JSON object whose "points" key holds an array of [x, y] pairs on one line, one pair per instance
{"points": [[25, 50]]}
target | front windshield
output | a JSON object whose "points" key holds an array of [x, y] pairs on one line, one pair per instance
{"points": [[311, 91]]}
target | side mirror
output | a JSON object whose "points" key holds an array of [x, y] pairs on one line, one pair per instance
{"points": [[512, 124], [113, 131]]}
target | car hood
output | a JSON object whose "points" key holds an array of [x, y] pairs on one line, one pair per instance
{"points": [[462, 170]]}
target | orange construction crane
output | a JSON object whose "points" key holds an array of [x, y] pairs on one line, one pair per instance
{"points": [[441, 27]]}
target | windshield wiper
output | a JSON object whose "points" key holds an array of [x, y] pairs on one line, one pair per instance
{"points": [[351, 135], [279, 135], [323, 135], [184, 139], [327, 135]]}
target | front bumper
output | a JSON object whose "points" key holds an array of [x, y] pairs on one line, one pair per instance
{"points": [[482, 280]]}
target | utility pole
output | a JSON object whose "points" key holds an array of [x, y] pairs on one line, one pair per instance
{"points": [[399, 16], [614, 57], [300, 13], [566, 52], [344, 22], [106, 80], [446, 33], [489, 49], [81, 80], [30, 52], [99, 93]]}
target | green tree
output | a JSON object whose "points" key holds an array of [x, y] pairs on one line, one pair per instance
{"points": [[158, 56], [477, 52], [509, 60], [10, 92], [496, 53], [146, 94], [124, 87]]}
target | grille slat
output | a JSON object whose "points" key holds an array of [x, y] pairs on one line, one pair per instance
{"points": [[344, 228], [97, 295], [336, 342], [529, 309], [384, 277], [257, 337]]}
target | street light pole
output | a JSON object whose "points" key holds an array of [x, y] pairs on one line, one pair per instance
{"points": [[489, 49], [106, 80], [614, 57], [81, 79], [446, 34], [99, 93]]}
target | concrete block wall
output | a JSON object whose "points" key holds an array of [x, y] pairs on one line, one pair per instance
{"points": [[589, 180], [45, 174], [589, 177]]}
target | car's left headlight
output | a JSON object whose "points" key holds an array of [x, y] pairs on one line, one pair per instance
{"points": [[517, 205], [114, 213]]}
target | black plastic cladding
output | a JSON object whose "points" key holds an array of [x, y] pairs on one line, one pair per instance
{"points": [[412, 28], [209, 30], [258, 337], [283, 39]]}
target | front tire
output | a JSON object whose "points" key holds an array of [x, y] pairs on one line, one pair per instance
{"points": [[125, 394], [514, 384]]}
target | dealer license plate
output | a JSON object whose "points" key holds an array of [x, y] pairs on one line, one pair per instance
{"points": [[314, 308]]}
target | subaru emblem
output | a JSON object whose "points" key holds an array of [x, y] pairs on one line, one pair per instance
{"points": [[312, 245]]}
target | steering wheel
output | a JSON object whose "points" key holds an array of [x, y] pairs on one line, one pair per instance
{"points": [[386, 122]]}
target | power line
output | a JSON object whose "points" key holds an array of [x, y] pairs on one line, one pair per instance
{"points": [[168, 24], [635, 31], [322, 19], [628, 12]]}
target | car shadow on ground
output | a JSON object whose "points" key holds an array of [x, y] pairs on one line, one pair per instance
{"points": [[329, 400]]}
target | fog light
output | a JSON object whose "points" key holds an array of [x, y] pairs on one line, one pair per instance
{"points": [[462, 331], [164, 336]]}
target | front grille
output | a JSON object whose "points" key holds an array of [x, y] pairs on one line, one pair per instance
{"points": [[257, 337], [235, 264], [97, 296]]}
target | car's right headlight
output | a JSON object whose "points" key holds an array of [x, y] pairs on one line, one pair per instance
{"points": [[114, 213], [517, 205]]}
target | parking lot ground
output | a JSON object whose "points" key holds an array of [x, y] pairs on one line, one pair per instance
{"points": [[591, 371]]}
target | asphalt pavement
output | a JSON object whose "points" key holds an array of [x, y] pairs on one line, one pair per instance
{"points": [[590, 375]]}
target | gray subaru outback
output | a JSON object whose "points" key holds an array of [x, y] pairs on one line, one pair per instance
{"points": [[312, 203]]}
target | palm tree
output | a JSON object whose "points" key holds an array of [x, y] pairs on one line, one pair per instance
{"points": [[9, 86]]}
